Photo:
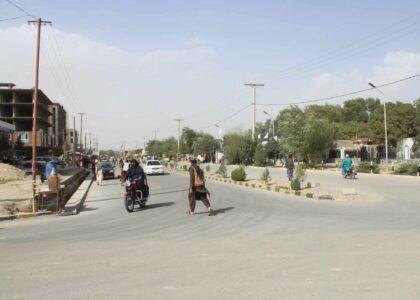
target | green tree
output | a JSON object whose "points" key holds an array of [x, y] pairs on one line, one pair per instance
{"points": [[290, 129], [332, 113], [401, 123], [417, 141], [355, 110], [260, 157], [155, 148], [205, 143], [318, 139], [188, 137], [170, 147], [239, 148]]}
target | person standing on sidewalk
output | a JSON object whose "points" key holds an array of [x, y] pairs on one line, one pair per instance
{"points": [[197, 190], [99, 172], [290, 166]]}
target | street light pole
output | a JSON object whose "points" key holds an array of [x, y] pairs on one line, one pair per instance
{"points": [[385, 126], [254, 103], [179, 132], [272, 121]]}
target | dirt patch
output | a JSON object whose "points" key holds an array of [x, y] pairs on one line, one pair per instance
{"points": [[10, 173]]}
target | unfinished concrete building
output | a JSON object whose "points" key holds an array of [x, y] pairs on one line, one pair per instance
{"points": [[16, 107]]}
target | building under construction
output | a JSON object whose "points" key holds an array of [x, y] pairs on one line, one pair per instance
{"points": [[16, 108]]}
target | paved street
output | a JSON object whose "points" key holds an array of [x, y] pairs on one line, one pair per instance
{"points": [[259, 245]]}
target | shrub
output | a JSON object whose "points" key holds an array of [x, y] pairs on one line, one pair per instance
{"points": [[265, 176], [300, 172], [171, 165], [407, 169], [365, 167], [295, 184], [208, 168], [184, 167], [260, 158], [222, 171], [239, 174]]}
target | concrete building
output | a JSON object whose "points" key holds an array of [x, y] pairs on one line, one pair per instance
{"points": [[57, 132], [6, 134], [16, 108], [72, 138]]}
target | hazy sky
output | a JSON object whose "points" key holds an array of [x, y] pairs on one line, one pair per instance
{"points": [[137, 65]]}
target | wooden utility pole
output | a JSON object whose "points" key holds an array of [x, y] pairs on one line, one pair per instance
{"points": [[74, 145], [39, 22], [90, 141], [81, 131]]}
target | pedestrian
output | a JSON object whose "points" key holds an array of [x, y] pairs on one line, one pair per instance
{"points": [[197, 190], [93, 168], [99, 173], [290, 166]]}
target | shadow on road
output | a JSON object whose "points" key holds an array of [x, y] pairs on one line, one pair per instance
{"points": [[217, 211], [169, 192], [158, 205]]}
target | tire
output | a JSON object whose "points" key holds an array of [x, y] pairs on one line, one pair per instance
{"points": [[129, 204]]}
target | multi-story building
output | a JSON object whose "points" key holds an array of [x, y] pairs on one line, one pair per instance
{"points": [[57, 132], [6, 132], [16, 107], [72, 139]]}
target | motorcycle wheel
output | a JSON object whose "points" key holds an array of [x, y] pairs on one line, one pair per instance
{"points": [[129, 204]]}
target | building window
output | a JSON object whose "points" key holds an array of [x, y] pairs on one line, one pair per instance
{"points": [[24, 137]]}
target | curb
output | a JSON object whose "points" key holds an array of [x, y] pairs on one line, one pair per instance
{"points": [[275, 189], [75, 208], [25, 215]]}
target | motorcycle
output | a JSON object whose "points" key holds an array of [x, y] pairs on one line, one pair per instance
{"points": [[134, 195], [350, 174]]}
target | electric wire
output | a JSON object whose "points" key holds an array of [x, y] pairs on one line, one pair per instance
{"points": [[354, 51], [227, 118], [28, 14], [342, 95], [13, 18], [66, 75]]}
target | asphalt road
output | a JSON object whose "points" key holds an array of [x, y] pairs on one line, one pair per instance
{"points": [[259, 245]]}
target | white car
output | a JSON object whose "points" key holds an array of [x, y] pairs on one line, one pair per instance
{"points": [[153, 167]]}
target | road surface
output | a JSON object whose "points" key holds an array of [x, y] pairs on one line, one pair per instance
{"points": [[259, 245]]}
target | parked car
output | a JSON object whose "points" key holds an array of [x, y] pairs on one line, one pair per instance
{"points": [[154, 167], [108, 169]]}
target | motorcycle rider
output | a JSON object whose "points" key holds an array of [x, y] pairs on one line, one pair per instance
{"points": [[347, 168], [136, 173]]}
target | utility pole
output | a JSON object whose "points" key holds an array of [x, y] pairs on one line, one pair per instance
{"points": [[155, 131], [85, 143], [144, 142], [90, 141], [74, 142], [81, 131], [254, 103], [385, 126], [179, 132], [39, 22]]}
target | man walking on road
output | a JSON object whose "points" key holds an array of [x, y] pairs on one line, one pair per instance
{"points": [[99, 173], [197, 190], [290, 166]]}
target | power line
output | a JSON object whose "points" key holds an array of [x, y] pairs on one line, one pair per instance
{"points": [[228, 117], [20, 8], [353, 51], [61, 63], [13, 18], [339, 96]]}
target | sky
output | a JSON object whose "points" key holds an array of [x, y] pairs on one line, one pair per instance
{"points": [[135, 66]]}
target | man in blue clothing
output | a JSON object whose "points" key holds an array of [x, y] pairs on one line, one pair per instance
{"points": [[347, 165]]}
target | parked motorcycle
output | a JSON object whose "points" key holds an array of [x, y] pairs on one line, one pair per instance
{"points": [[134, 195]]}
